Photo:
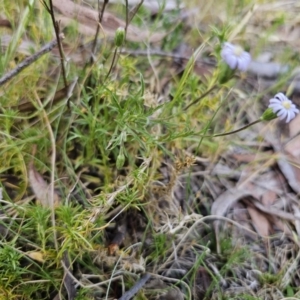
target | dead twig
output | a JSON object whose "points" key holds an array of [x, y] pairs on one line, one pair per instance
{"points": [[28, 61], [129, 294]]}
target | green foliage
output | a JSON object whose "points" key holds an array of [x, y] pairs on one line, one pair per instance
{"points": [[11, 271], [160, 244], [110, 139]]}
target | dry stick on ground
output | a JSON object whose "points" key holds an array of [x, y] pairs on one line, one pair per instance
{"points": [[28, 61], [57, 33], [129, 294]]}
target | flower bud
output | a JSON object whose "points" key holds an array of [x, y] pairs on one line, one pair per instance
{"points": [[119, 36], [268, 115], [120, 160]]}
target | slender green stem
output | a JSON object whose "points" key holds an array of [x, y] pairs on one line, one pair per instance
{"points": [[112, 63], [210, 122], [234, 131], [201, 97]]}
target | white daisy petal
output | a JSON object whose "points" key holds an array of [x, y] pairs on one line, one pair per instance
{"points": [[282, 114], [283, 107], [292, 114], [281, 97], [232, 62], [235, 57], [275, 101], [289, 117], [275, 107]]}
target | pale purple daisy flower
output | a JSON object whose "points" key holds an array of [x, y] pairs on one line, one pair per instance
{"points": [[283, 107], [235, 57]]}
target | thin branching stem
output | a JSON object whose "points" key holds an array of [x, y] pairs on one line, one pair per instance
{"points": [[200, 98], [56, 27], [234, 131], [112, 63], [102, 11], [126, 26], [135, 10], [98, 26]]}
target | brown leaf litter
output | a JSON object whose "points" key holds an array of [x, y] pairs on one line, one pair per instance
{"points": [[41, 188]]}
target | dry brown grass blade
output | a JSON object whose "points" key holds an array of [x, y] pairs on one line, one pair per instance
{"points": [[88, 20], [273, 211]]}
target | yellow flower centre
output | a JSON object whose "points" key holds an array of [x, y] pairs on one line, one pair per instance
{"points": [[238, 51], [286, 104]]}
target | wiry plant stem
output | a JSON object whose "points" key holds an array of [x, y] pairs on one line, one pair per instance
{"points": [[127, 17], [56, 27], [112, 63], [201, 97], [135, 10], [98, 26], [234, 131]]}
